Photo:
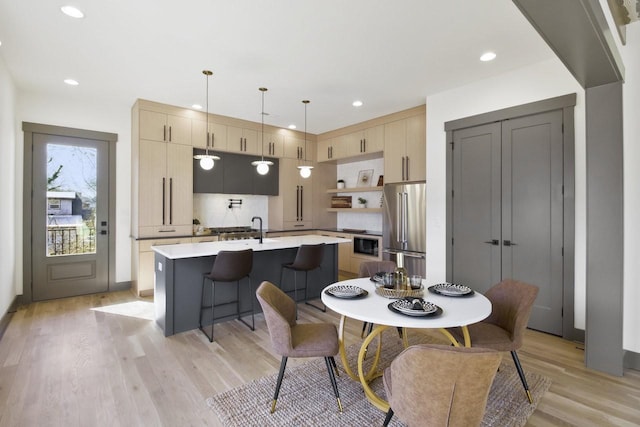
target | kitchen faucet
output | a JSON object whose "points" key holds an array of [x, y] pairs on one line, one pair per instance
{"points": [[253, 219]]}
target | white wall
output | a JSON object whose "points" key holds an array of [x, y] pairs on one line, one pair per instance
{"points": [[9, 271], [103, 116], [631, 103], [533, 83]]}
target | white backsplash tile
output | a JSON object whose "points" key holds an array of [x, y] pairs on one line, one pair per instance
{"points": [[212, 210]]}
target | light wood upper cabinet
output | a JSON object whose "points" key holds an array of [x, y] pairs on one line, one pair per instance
{"points": [[273, 144], [332, 149], [352, 144], [216, 137], [405, 150], [242, 140], [164, 127]]}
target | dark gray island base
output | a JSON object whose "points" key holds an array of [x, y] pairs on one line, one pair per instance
{"points": [[178, 285]]}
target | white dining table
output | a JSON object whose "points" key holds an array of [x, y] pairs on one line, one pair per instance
{"points": [[373, 308]]}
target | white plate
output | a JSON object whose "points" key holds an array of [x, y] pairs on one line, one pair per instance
{"points": [[414, 306], [451, 289], [346, 291]]}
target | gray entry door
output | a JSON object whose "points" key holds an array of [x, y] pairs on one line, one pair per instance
{"points": [[70, 197], [508, 209]]}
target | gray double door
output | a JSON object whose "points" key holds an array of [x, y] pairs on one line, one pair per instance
{"points": [[507, 209]]}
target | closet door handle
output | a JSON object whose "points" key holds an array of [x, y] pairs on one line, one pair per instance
{"points": [[494, 242], [509, 243]]}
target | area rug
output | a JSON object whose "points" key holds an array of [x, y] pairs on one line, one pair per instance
{"points": [[306, 397]]}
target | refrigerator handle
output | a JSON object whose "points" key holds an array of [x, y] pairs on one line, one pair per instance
{"points": [[405, 212], [399, 218]]}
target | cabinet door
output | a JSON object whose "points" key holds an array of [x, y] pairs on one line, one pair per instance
{"points": [[416, 149], [180, 185], [179, 130], [152, 183], [373, 139], [199, 135], [153, 126], [290, 189], [241, 140], [267, 185], [217, 136], [208, 181], [395, 137], [306, 198], [293, 148], [324, 150], [272, 144]]}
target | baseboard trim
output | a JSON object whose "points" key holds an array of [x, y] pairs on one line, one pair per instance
{"points": [[631, 360], [120, 286], [6, 318]]}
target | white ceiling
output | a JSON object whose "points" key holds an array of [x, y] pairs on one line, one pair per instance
{"points": [[390, 54]]}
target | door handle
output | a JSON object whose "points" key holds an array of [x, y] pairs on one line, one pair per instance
{"points": [[508, 243], [164, 200], [170, 200], [494, 242]]}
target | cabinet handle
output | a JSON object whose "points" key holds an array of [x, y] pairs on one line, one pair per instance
{"points": [[168, 231], [170, 200], [164, 202], [494, 242], [407, 168], [297, 203], [332, 151], [169, 133], [301, 203], [164, 132], [213, 139], [403, 168], [509, 243]]}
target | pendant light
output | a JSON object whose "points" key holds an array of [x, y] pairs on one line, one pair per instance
{"points": [[262, 166], [305, 170], [206, 160]]}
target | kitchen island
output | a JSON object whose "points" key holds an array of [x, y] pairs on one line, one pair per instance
{"points": [[179, 270]]}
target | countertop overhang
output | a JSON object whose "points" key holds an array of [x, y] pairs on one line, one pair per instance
{"points": [[193, 250]]}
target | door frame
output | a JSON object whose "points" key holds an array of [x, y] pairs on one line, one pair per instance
{"points": [[566, 103], [36, 128]]}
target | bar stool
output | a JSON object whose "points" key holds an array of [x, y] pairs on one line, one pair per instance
{"points": [[229, 266], [308, 257]]}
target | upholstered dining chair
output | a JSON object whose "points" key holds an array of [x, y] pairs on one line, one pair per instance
{"points": [[440, 385], [503, 330], [368, 269], [291, 339]]}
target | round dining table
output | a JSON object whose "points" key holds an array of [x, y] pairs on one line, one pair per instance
{"points": [[373, 308]]}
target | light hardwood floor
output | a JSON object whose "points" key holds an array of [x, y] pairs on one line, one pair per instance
{"points": [[69, 362]]}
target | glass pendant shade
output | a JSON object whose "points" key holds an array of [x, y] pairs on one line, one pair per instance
{"points": [[305, 171], [206, 162]]}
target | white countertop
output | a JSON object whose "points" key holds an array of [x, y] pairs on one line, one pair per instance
{"points": [[193, 250]]}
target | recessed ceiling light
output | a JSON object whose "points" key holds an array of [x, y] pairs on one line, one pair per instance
{"points": [[0, 43], [71, 11], [292, 126], [197, 106], [71, 82], [357, 103], [488, 56]]}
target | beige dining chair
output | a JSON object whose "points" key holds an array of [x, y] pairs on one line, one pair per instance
{"points": [[440, 385], [503, 330], [292, 339]]}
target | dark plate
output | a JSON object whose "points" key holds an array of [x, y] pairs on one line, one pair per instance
{"points": [[363, 293], [436, 313], [434, 290]]}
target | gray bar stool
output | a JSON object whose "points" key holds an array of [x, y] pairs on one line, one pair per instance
{"points": [[229, 266], [308, 257]]}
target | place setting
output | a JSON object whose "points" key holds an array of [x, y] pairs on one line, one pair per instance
{"points": [[451, 290], [346, 291], [415, 307]]}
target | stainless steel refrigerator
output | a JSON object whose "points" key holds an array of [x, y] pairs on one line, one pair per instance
{"points": [[404, 224]]}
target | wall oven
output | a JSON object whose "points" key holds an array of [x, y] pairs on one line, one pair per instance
{"points": [[365, 246]]}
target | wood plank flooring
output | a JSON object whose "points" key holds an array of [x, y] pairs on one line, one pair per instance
{"points": [[71, 362]]}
